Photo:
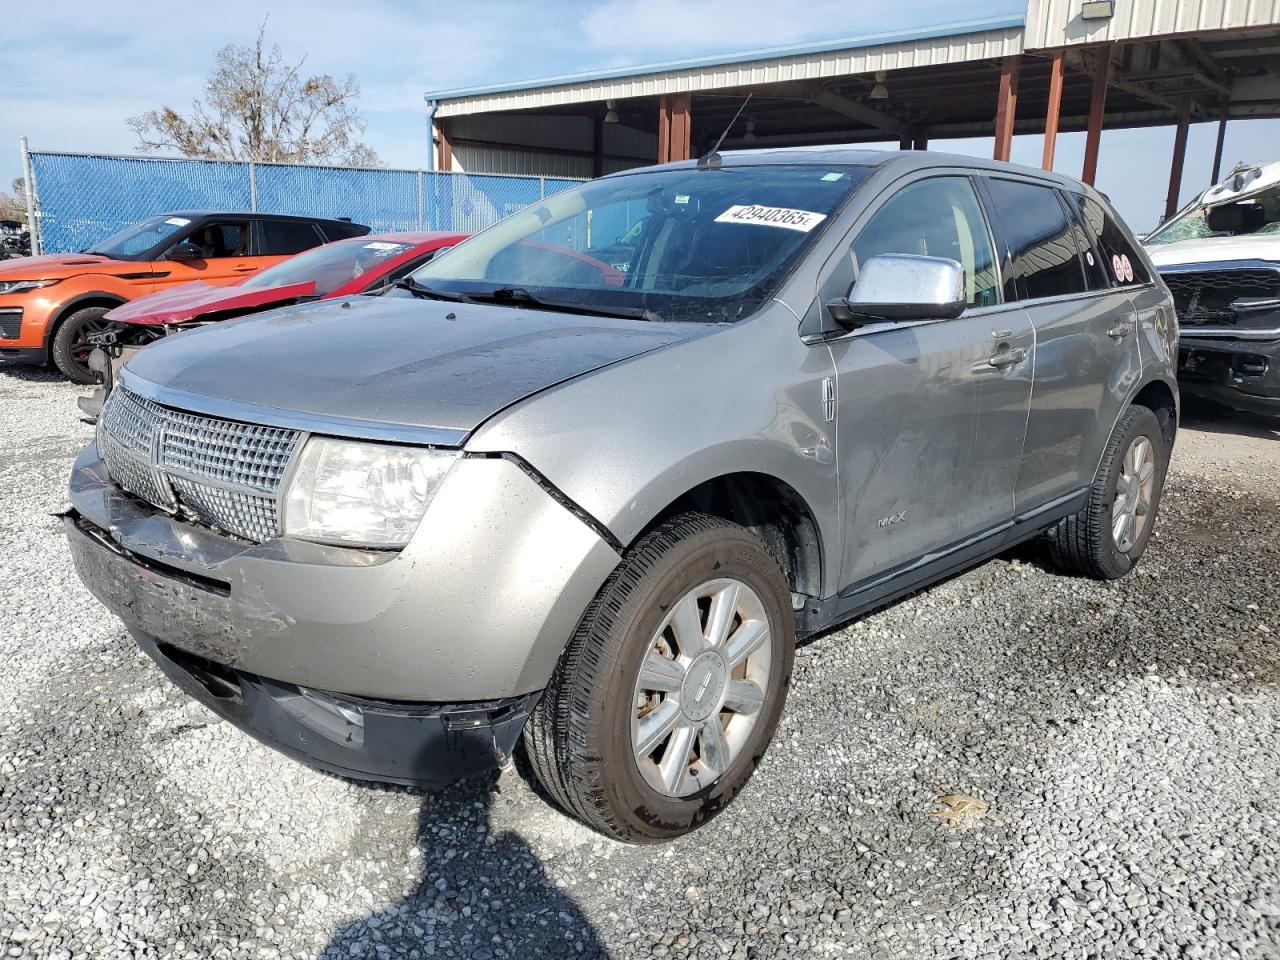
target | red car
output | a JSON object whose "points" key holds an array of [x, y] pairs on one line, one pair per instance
{"points": [[345, 267], [340, 269]]}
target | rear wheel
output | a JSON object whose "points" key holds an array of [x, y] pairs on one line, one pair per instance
{"points": [[71, 346], [1108, 537], [670, 691]]}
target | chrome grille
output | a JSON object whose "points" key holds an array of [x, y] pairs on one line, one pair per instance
{"points": [[221, 472], [250, 515], [135, 474], [1205, 296]]}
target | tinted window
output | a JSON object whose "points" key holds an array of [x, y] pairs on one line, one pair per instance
{"points": [[1119, 258], [282, 237], [939, 217], [1091, 260], [221, 240], [1042, 246]]}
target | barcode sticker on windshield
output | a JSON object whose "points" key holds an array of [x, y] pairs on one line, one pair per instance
{"points": [[752, 213], [381, 245], [177, 221]]}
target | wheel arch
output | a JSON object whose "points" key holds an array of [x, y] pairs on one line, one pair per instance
{"points": [[770, 508], [92, 298], [1161, 399]]}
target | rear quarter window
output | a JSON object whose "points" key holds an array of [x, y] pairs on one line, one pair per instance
{"points": [[1123, 264]]}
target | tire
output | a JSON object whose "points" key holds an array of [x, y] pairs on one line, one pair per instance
{"points": [[1087, 543], [68, 352], [581, 739]]}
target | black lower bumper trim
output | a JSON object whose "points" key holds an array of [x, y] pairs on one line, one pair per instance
{"points": [[413, 744], [25, 355]]}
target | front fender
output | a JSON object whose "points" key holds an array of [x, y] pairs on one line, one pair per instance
{"points": [[626, 441]]}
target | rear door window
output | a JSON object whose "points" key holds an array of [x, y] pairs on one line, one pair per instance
{"points": [[1122, 263], [282, 238], [1044, 257], [1096, 273]]}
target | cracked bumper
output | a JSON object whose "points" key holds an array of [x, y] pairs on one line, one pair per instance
{"points": [[1241, 374]]}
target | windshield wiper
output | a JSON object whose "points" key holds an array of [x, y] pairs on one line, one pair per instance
{"points": [[522, 297], [430, 293]]}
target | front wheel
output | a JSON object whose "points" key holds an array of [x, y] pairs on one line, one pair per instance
{"points": [[71, 346], [670, 691]]}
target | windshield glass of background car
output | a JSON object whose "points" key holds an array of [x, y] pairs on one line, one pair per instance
{"points": [[687, 244], [139, 238], [1258, 214], [329, 266]]}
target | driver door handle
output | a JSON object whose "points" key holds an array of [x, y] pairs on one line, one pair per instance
{"points": [[1007, 358], [1120, 329]]}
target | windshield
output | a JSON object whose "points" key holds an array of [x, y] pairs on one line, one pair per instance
{"points": [[329, 266], [1260, 214], [138, 239], [695, 245]]}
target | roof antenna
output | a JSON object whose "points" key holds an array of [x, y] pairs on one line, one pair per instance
{"points": [[711, 159]]}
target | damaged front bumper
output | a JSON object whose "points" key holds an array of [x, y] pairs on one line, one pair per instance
{"points": [[1235, 365], [413, 667], [387, 741]]}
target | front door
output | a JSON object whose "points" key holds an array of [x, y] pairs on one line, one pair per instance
{"points": [[225, 256], [931, 413]]}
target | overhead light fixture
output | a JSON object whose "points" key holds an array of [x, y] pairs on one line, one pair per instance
{"points": [[879, 91], [751, 131], [610, 114], [1097, 9]]}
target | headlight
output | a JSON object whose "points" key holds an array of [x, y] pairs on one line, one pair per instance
{"points": [[22, 286], [362, 494]]}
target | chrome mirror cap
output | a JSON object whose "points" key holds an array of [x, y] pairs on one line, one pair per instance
{"points": [[901, 286]]}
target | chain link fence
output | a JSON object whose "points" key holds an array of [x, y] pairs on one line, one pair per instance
{"points": [[78, 199]]}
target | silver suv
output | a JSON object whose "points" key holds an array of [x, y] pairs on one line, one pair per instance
{"points": [[592, 500]]}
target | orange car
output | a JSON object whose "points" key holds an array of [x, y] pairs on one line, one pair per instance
{"points": [[51, 305]]}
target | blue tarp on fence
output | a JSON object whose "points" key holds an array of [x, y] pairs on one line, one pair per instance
{"points": [[83, 198]]}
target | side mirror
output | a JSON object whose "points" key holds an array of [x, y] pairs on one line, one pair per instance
{"points": [[901, 286], [184, 251]]}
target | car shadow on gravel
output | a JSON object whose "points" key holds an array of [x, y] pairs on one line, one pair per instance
{"points": [[482, 894], [32, 373], [1211, 418]]}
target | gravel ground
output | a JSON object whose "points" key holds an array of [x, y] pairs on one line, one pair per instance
{"points": [[1123, 737]]}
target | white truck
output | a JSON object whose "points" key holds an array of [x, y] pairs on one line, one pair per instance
{"points": [[1220, 256]]}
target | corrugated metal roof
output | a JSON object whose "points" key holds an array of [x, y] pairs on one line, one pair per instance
{"points": [[1057, 23], [950, 43]]}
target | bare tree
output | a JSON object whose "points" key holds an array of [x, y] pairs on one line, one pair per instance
{"points": [[259, 107], [13, 206]]}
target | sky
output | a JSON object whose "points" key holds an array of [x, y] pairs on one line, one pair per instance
{"points": [[74, 71]]}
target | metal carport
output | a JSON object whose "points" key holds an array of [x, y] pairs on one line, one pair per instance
{"points": [[1066, 65]]}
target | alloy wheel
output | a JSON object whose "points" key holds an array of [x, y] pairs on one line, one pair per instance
{"points": [[1134, 489], [701, 687]]}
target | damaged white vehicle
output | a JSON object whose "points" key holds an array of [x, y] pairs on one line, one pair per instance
{"points": [[1220, 257]]}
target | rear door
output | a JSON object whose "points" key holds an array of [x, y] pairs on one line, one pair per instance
{"points": [[1086, 347], [930, 429]]}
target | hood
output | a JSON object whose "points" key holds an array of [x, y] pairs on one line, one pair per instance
{"points": [[191, 301], [52, 266], [1253, 246], [395, 361]]}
